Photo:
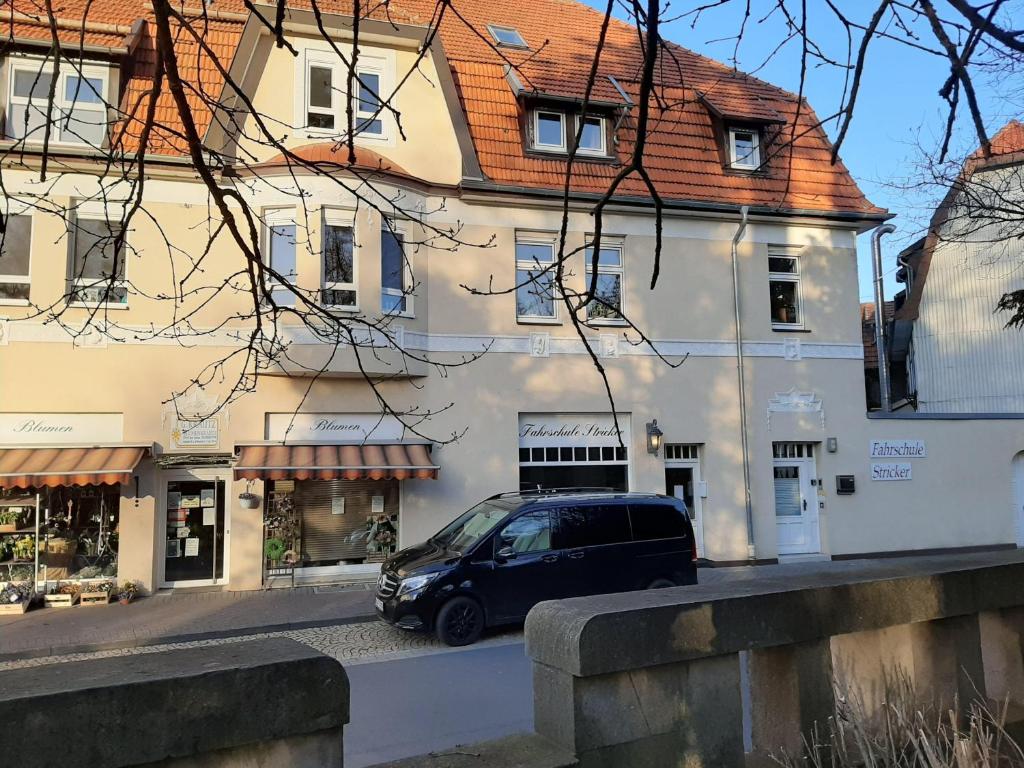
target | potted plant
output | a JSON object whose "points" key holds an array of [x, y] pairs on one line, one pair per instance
{"points": [[15, 597], [10, 519], [127, 592], [249, 500], [274, 549], [63, 595], [97, 593], [25, 548]]}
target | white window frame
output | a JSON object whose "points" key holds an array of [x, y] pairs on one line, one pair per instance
{"points": [[535, 142], [320, 62], [89, 211], [335, 217], [279, 217], [786, 252], [754, 161], [400, 229], [35, 66], [602, 151], [18, 208], [372, 65], [535, 238], [381, 64], [495, 28], [610, 244]]}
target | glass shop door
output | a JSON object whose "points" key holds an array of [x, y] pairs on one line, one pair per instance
{"points": [[195, 531]]}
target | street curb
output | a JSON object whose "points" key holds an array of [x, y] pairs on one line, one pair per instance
{"points": [[220, 634]]}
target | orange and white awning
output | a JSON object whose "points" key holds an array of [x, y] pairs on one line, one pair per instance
{"points": [[86, 465], [369, 461]]}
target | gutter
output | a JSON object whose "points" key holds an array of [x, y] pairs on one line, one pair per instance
{"points": [[673, 205], [741, 380]]}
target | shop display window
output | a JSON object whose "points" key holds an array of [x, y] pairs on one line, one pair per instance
{"points": [[325, 523], [77, 535]]}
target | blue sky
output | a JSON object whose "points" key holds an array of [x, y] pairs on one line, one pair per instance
{"points": [[898, 108]]}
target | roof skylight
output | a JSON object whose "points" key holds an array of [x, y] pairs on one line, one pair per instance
{"points": [[507, 36]]}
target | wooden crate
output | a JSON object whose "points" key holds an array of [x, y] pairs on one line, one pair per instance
{"points": [[60, 601], [14, 607], [95, 598]]}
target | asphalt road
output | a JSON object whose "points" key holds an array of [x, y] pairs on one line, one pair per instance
{"points": [[411, 706]]}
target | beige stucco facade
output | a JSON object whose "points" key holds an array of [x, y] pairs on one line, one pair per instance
{"points": [[803, 385]]}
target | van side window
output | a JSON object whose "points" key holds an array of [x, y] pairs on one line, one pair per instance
{"points": [[591, 526], [656, 521], [530, 532]]}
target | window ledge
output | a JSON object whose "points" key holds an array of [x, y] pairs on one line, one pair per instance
{"points": [[96, 305], [607, 323], [538, 321], [787, 329], [15, 303], [347, 309]]}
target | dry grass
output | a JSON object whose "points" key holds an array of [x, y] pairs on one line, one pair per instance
{"points": [[899, 734]]}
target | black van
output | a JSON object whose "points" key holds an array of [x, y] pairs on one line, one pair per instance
{"points": [[510, 552]]}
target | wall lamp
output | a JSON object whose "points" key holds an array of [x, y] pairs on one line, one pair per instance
{"points": [[653, 437]]}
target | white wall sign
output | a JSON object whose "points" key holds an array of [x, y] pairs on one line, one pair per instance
{"points": [[897, 449], [332, 427], [56, 428], [537, 430], [337, 505], [188, 433], [890, 471]]}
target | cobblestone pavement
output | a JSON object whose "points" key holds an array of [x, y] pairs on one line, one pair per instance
{"points": [[351, 643]]}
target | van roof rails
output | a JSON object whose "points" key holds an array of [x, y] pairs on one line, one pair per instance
{"points": [[552, 491]]}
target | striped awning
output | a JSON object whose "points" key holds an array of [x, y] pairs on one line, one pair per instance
{"points": [[370, 461], [93, 465]]}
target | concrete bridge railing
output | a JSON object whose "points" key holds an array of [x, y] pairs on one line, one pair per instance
{"points": [[662, 677], [705, 676]]}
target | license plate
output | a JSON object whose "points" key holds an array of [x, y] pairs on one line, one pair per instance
{"points": [[379, 604]]}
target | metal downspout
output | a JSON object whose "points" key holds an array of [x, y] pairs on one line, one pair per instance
{"points": [[741, 380], [884, 388]]}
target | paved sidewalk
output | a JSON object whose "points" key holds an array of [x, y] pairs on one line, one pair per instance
{"points": [[189, 617], [179, 617]]}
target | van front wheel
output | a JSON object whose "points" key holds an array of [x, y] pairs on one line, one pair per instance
{"points": [[460, 621]]}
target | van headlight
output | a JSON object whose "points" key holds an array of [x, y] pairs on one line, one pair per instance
{"points": [[416, 583]]}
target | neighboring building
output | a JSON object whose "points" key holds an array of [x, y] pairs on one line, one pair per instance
{"points": [[86, 422], [959, 355], [901, 396]]}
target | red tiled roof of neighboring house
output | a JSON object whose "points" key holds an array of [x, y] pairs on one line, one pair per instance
{"points": [[1006, 146], [683, 155], [867, 325]]}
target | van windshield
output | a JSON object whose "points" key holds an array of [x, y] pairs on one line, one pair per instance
{"points": [[469, 527]]}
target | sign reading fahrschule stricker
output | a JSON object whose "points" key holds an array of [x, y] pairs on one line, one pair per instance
{"points": [[901, 471], [897, 449]]}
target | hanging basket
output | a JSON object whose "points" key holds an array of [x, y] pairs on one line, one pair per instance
{"points": [[249, 500]]}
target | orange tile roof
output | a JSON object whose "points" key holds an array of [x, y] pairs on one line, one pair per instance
{"points": [[683, 156], [1009, 139]]}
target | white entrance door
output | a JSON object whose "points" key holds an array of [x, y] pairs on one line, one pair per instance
{"points": [[1018, 495], [682, 475], [194, 527], [796, 503]]}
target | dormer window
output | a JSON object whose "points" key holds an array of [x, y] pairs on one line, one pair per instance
{"points": [[744, 149], [79, 102], [549, 131], [507, 37], [323, 105], [593, 140]]}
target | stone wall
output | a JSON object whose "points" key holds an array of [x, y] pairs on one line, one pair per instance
{"points": [[256, 704]]}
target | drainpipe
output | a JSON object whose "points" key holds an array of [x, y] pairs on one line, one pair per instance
{"points": [[884, 390], [741, 379]]}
